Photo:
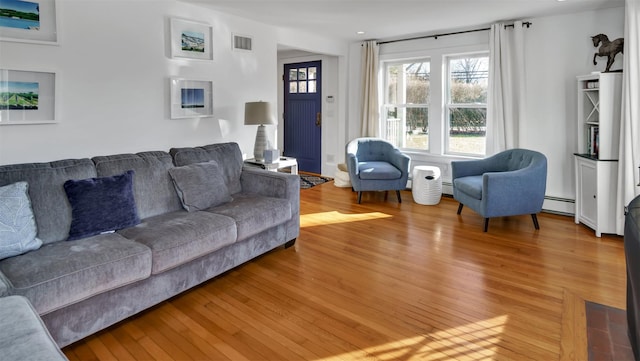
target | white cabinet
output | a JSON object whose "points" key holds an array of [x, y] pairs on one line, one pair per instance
{"points": [[596, 161], [599, 115], [596, 184]]}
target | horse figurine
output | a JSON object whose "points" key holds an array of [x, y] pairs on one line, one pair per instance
{"points": [[608, 48]]}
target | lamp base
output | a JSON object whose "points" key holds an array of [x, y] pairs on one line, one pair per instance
{"points": [[261, 143]]}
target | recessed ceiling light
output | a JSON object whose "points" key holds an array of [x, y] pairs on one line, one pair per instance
{"points": [[360, 32]]}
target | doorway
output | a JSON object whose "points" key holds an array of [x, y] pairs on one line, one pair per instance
{"points": [[303, 114]]}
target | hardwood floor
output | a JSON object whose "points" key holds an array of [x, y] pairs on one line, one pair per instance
{"points": [[388, 281]]}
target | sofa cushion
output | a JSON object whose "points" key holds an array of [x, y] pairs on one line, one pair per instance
{"points": [[48, 199], [62, 273], [23, 335], [254, 214], [179, 237], [228, 156], [470, 185], [200, 185], [378, 170], [101, 205], [152, 186], [17, 225]]}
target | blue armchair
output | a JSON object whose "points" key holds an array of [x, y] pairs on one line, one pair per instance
{"points": [[512, 182], [376, 165]]}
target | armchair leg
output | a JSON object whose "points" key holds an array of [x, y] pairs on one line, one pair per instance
{"points": [[460, 208], [535, 221], [398, 195], [359, 197], [486, 224]]}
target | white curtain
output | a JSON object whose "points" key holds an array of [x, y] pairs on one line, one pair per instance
{"points": [[629, 156], [369, 102], [506, 93]]}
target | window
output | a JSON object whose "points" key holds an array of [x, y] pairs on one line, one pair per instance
{"points": [[406, 105], [466, 104], [303, 80]]}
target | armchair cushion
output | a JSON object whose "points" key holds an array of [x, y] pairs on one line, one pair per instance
{"points": [[378, 170], [471, 185]]}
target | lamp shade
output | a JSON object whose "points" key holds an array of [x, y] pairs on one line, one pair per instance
{"points": [[258, 113]]}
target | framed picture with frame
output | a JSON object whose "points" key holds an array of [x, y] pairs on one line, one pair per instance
{"points": [[27, 97], [191, 98], [190, 39], [29, 21]]}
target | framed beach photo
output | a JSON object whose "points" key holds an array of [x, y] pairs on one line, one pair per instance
{"points": [[190, 39], [29, 21], [191, 98], [27, 97]]}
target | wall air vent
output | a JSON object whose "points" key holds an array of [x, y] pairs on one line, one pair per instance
{"points": [[242, 42]]}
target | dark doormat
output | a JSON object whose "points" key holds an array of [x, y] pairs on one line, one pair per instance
{"points": [[607, 337], [309, 180]]}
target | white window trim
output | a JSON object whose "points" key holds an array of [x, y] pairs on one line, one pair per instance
{"points": [[448, 105], [436, 154]]}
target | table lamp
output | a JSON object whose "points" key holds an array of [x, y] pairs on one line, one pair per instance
{"points": [[258, 113]]}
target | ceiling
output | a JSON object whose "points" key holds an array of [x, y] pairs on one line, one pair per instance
{"points": [[389, 19]]}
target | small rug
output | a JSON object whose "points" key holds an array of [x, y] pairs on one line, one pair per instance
{"points": [[607, 337], [308, 180]]}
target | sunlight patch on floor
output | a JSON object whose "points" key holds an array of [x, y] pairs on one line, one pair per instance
{"points": [[474, 341], [333, 217]]}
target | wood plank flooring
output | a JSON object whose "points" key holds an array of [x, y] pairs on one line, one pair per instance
{"points": [[388, 281]]}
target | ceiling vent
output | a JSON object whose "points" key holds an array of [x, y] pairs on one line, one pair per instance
{"points": [[242, 42]]}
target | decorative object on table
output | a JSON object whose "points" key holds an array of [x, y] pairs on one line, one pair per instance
{"points": [[607, 48], [190, 39], [27, 97], [29, 21], [426, 185], [259, 113], [191, 98], [309, 180], [271, 155]]}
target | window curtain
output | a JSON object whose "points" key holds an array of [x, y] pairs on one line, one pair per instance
{"points": [[629, 156], [506, 92], [369, 103]]}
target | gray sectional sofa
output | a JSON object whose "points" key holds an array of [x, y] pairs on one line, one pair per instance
{"points": [[199, 214]]}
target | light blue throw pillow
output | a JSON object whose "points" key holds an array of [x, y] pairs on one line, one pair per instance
{"points": [[18, 228]]}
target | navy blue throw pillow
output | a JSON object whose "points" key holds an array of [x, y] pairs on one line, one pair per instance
{"points": [[100, 205]]}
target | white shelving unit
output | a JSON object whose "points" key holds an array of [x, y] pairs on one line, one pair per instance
{"points": [[596, 162]]}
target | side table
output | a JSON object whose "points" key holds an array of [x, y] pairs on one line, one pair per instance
{"points": [[281, 163]]}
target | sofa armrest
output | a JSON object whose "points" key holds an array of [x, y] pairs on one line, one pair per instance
{"points": [[277, 185]]}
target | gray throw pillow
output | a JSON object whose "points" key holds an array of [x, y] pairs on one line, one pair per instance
{"points": [[18, 228], [200, 185]]}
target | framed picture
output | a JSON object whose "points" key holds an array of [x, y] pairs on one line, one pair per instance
{"points": [[28, 21], [191, 98], [27, 97], [190, 39]]}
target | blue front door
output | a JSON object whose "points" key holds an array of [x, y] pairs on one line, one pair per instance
{"points": [[302, 114]]}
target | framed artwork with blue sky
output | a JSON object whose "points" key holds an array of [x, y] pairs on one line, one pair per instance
{"points": [[30, 21], [190, 39], [27, 97], [191, 98]]}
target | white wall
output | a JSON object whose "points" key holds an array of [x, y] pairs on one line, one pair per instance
{"points": [[113, 64], [558, 48]]}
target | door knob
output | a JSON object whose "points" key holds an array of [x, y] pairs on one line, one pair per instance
{"points": [[318, 119]]}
